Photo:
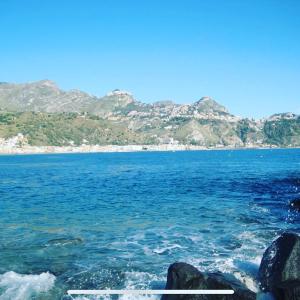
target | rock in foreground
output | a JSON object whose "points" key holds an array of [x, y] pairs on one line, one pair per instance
{"points": [[279, 276], [185, 276], [279, 272]]}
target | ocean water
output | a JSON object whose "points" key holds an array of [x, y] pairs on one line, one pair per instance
{"points": [[118, 220]]}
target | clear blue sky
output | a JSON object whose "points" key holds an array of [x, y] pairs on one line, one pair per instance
{"points": [[245, 53]]}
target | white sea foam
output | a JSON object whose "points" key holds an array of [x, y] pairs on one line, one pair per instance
{"points": [[139, 280], [243, 271], [195, 238], [21, 287], [256, 260], [260, 209], [247, 280], [163, 250]]}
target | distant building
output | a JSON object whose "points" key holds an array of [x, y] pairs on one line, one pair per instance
{"points": [[118, 92]]}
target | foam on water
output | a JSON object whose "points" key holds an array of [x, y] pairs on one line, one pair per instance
{"points": [[20, 287], [166, 249], [133, 281], [139, 280]]}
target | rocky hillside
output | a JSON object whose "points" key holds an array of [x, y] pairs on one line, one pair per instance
{"points": [[47, 115]]}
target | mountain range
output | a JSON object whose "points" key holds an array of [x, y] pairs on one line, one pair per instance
{"points": [[46, 115]]}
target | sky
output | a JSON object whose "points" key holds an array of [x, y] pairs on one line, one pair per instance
{"points": [[245, 54]]}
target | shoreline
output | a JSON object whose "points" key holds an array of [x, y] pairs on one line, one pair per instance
{"points": [[117, 148]]}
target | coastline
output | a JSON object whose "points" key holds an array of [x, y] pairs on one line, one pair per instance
{"points": [[26, 149]]}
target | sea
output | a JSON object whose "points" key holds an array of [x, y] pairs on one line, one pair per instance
{"points": [[118, 220]]}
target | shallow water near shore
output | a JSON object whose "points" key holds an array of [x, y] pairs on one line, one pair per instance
{"points": [[118, 220]]}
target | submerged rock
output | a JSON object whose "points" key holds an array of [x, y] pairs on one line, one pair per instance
{"points": [[279, 271], [64, 241], [185, 276], [295, 204]]}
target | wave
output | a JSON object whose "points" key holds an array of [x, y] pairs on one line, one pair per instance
{"points": [[167, 249], [21, 287]]}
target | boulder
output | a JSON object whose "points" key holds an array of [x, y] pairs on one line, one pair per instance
{"points": [[295, 204], [279, 271], [187, 277]]}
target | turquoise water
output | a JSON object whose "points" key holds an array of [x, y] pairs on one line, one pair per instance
{"points": [[117, 220]]}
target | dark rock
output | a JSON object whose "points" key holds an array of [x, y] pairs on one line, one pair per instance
{"points": [[295, 204], [279, 271], [187, 277]]}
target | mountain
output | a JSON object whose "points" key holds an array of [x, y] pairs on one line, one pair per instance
{"points": [[47, 115], [43, 96]]}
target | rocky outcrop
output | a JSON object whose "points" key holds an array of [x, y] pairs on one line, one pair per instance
{"points": [[187, 277], [278, 276], [279, 271]]}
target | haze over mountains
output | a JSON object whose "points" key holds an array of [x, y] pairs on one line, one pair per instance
{"points": [[47, 115]]}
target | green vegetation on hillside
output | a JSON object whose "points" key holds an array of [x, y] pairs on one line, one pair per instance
{"points": [[65, 129], [284, 132]]}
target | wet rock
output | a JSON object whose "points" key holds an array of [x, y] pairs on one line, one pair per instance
{"points": [[295, 204], [279, 271], [185, 276]]}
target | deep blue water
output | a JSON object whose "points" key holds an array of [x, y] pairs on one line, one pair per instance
{"points": [[117, 220]]}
